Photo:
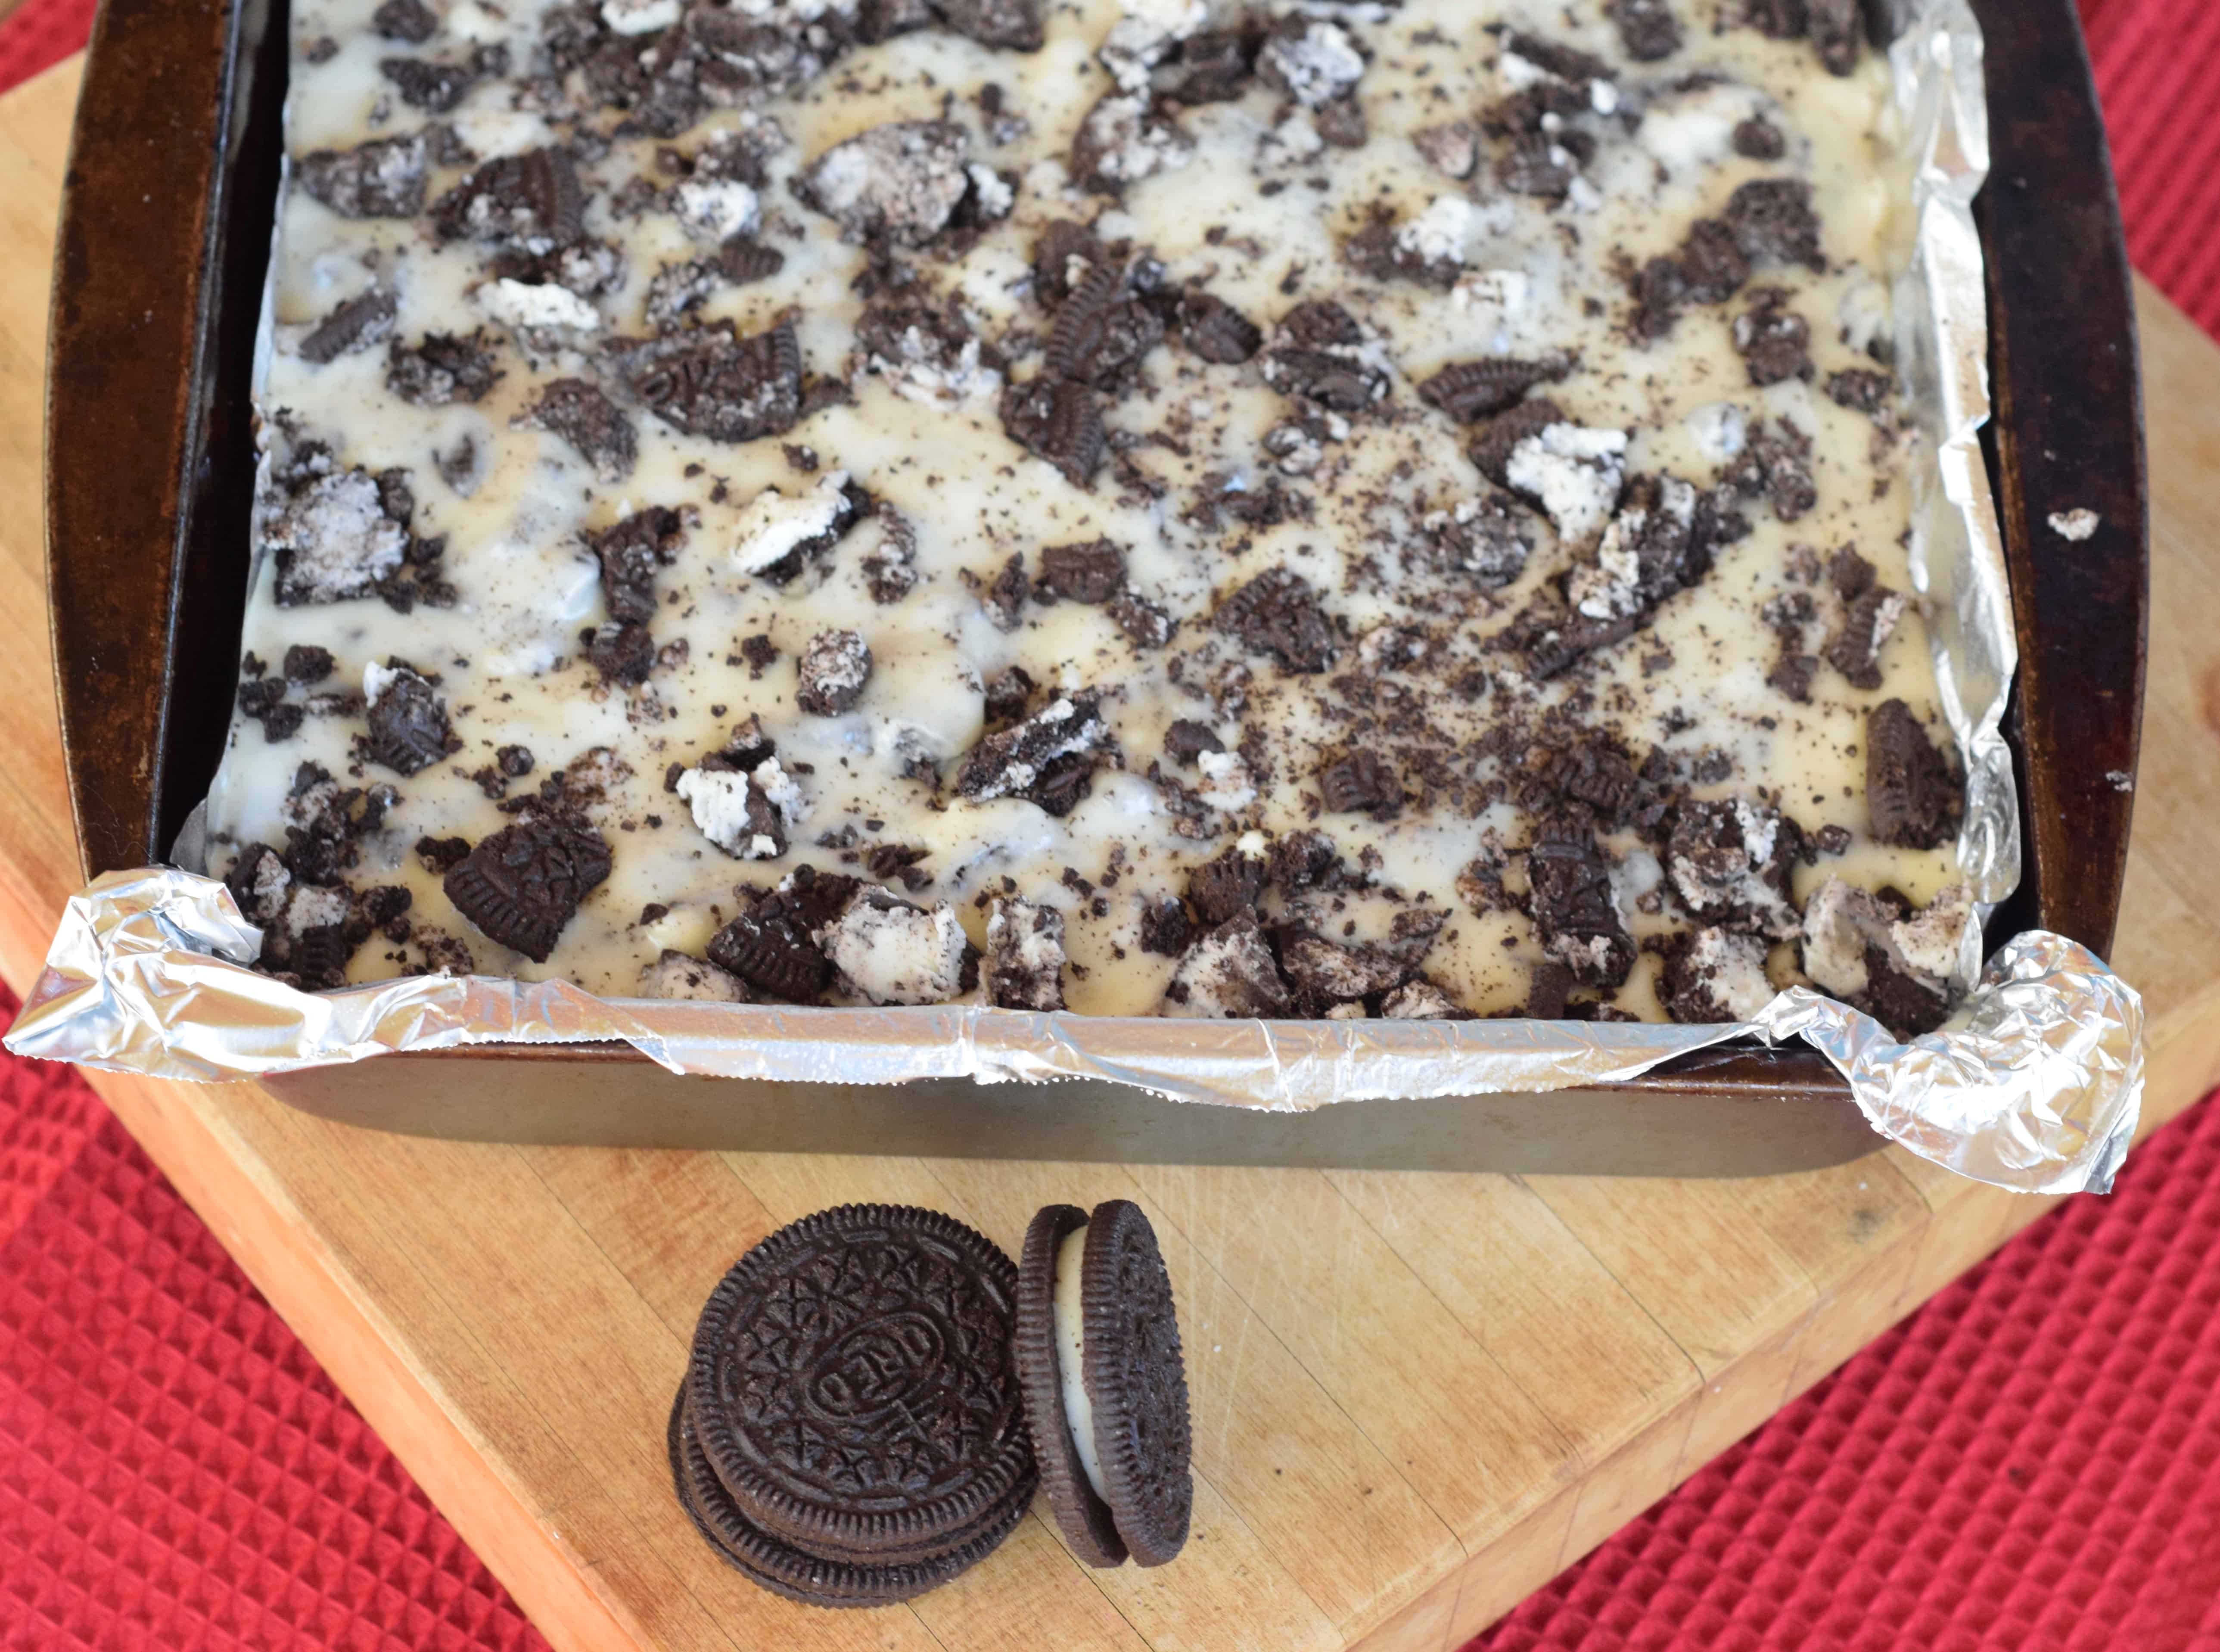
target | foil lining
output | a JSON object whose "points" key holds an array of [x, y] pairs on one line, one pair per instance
{"points": [[2035, 1085]]}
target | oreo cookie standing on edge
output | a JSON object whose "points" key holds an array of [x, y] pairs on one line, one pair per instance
{"points": [[854, 1391], [1105, 1383], [785, 1570], [1058, 1424]]}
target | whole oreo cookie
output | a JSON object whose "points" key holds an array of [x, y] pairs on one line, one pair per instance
{"points": [[786, 1570], [855, 1392], [1105, 1383]]}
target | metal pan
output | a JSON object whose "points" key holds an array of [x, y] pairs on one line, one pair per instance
{"points": [[164, 237]]}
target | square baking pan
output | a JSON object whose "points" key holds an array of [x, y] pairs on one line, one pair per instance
{"points": [[159, 283]]}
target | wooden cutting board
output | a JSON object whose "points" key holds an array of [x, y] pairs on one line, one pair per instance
{"points": [[1415, 1396]]}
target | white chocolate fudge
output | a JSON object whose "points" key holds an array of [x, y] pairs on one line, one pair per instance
{"points": [[1139, 507]]}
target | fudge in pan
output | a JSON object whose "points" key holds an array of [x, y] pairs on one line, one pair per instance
{"points": [[1162, 508]]}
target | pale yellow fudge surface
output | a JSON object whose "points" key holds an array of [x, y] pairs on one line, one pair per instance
{"points": [[1497, 445]]}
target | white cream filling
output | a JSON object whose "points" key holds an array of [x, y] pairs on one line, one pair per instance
{"points": [[1070, 1355]]}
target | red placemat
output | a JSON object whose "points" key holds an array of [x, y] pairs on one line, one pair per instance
{"points": [[2032, 1461]]}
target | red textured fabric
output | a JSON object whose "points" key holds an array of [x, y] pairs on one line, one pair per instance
{"points": [[175, 1471], [41, 34], [2158, 69], [2030, 1462]]}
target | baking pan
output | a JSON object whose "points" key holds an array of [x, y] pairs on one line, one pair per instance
{"points": [[158, 287]]}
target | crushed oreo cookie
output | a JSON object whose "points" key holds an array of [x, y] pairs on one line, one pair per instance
{"points": [[522, 886], [1914, 793], [1279, 612]]}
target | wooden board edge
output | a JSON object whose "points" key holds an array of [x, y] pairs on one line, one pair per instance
{"points": [[300, 1276]]}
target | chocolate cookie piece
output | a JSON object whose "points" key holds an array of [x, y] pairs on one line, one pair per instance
{"points": [[770, 947], [1837, 29], [521, 885], [1126, 139], [1362, 782], [1102, 332], [1012, 25], [1713, 977], [901, 182], [1775, 464], [1059, 421], [709, 381], [405, 20], [622, 651], [1862, 389], [1225, 885], [1024, 964], [853, 1387], [532, 203], [307, 664], [1773, 223], [362, 320], [1472, 390], [1092, 572], [925, 349], [679, 977], [1212, 66], [436, 87], [1320, 354], [1774, 341], [1038, 758], [1913, 793], [1501, 437], [441, 368], [832, 670], [1730, 861], [595, 428], [1899, 968], [1186, 739], [1647, 28], [784, 1570], [407, 721], [631, 553], [1064, 254], [383, 178], [1216, 331], [333, 539], [1228, 973], [1327, 975], [1575, 911], [1167, 928], [1481, 538], [1279, 612], [260, 883], [1146, 624], [1712, 265], [1871, 620], [1758, 138]]}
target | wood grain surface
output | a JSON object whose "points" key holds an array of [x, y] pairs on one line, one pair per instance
{"points": [[1416, 1397]]}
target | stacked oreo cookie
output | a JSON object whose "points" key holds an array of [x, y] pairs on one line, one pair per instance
{"points": [[874, 1393]]}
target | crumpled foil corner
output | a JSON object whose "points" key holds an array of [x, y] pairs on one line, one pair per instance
{"points": [[2036, 1084]]}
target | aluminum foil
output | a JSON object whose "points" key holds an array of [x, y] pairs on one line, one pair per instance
{"points": [[2035, 1085]]}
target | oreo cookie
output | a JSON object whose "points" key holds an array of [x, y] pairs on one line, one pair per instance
{"points": [[853, 1395], [785, 1570], [521, 885], [1104, 1384]]}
